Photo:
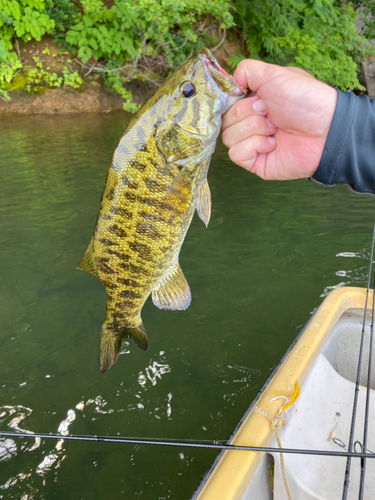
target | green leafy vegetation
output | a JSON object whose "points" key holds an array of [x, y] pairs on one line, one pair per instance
{"points": [[19, 20], [316, 35], [147, 27], [9, 64], [24, 19], [121, 40], [37, 76], [64, 14], [144, 39]]}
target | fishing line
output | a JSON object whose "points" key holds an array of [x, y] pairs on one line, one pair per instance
{"points": [[354, 413], [184, 444]]}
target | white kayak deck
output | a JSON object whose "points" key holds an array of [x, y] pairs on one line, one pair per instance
{"points": [[323, 362], [323, 412]]}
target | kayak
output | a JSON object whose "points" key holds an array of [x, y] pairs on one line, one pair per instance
{"points": [[306, 405]]}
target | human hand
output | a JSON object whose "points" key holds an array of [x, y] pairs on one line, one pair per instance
{"points": [[280, 133]]}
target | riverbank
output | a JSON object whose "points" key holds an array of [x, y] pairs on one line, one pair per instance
{"points": [[52, 81], [63, 100]]}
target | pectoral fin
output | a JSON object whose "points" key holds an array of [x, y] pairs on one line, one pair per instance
{"points": [[178, 194], [173, 292], [204, 203], [87, 263]]}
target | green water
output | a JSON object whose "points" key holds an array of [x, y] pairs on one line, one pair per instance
{"points": [[271, 252]]}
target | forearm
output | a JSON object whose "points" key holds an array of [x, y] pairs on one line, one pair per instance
{"points": [[349, 153]]}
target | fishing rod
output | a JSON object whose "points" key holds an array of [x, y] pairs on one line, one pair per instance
{"points": [[368, 392], [357, 385], [184, 444]]}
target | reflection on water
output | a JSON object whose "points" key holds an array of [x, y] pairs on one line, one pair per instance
{"points": [[271, 252], [238, 380], [56, 457], [64, 426], [7, 448], [13, 416], [353, 277], [153, 373], [10, 417]]}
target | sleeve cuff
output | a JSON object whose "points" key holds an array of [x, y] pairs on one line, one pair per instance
{"points": [[349, 153], [342, 122]]}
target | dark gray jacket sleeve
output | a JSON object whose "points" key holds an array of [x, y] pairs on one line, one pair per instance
{"points": [[349, 153]]}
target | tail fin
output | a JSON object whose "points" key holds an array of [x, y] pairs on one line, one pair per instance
{"points": [[110, 343]]}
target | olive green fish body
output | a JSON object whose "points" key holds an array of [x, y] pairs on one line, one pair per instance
{"points": [[157, 179]]}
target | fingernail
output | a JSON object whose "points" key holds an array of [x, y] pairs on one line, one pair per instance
{"points": [[271, 139], [259, 106], [270, 124]]}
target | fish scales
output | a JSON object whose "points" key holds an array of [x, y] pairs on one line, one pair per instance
{"points": [[157, 179], [138, 238]]}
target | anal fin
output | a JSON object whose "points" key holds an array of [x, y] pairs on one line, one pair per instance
{"points": [[204, 203], [87, 263], [173, 291]]}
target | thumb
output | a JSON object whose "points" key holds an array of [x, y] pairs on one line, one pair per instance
{"points": [[252, 74]]}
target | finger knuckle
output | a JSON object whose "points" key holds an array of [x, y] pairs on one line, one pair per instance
{"points": [[251, 123], [225, 138], [243, 65], [233, 154], [236, 111]]}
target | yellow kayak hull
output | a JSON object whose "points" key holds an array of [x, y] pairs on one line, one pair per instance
{"points": [[233, 472]]}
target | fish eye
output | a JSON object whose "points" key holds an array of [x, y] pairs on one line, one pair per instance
{"points": [[188, 89]]}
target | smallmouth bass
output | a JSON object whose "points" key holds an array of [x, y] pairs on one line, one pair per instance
{"points": [[157, 179]]}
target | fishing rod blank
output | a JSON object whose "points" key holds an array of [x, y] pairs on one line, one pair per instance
{"points": [[184, 444], [355, 402]]}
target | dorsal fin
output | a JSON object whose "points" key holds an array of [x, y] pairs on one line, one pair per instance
{"points": [[87, 263], [173, 291], [204, 203]]}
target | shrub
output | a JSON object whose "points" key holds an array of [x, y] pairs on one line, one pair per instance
{"points": [[147, 27], [64, 14], [147, 39], [316, 35], [24, 19]]}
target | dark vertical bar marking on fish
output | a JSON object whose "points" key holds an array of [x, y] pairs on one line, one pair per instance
{"points": [[118, 231], [121, 211], [141, 249], [111, 194], [107, 242], [137, 165]]}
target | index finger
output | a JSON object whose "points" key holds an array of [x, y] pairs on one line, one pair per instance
{"points": [[239, 111], [252, 74]]}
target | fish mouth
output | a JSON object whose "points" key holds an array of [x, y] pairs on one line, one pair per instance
{"points": [[217, 72], [208, 60]]}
